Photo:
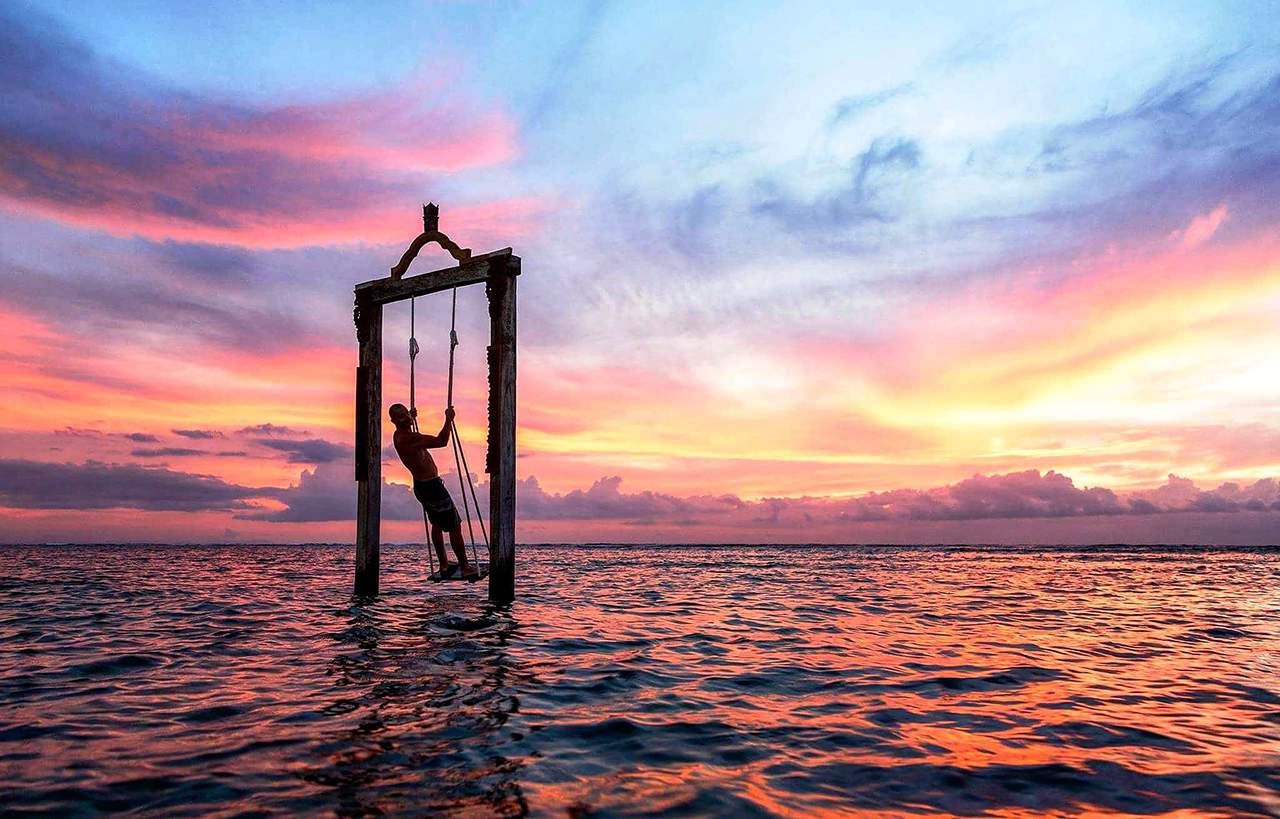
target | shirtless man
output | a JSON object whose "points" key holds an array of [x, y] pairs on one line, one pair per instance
{"points": [[429, 489]]}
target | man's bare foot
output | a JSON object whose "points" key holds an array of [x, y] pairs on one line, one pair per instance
{"points": [[470, 572], [447, 570]]}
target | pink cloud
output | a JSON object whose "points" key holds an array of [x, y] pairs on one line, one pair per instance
{"points": [[105, 147], [1201, 228], [1017, 507], [1016, 495]]}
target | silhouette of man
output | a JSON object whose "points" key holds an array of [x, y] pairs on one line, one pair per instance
{"points": [[429, 489]]}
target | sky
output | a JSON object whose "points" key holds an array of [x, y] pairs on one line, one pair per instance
{"points": [[792, 272]]}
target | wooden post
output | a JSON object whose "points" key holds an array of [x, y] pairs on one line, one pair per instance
{"points": [[501, 460], [368, 318]]}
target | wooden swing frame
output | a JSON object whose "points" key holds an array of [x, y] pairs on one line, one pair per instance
{"points": [[497, 271]]}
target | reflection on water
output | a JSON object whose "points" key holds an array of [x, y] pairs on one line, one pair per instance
{"points": [[432, 700], [710, 681]]}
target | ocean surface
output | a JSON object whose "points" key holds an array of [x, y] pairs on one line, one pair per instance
{"points": [[715, 681]]}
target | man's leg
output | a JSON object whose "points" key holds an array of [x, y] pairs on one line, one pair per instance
{"points": [[437, 540], [460, 549]]}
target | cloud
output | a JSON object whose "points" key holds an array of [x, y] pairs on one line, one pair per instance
{"points": [[883, 163], [1181, 494], [605, 500], [852, 107], [1197, 140], [212, 263], [327, 493], [186, 452], [198, 434], [273, 430], [309, 450], [1025, 494], [97, 143], [1202, 227], [167, 452], [140, 437], [28, 484], [104, 307]]}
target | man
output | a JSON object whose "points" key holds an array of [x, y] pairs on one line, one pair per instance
{"points": [[429, 489]]}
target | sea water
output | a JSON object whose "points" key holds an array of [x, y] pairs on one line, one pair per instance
{"points": [[689, 680]]}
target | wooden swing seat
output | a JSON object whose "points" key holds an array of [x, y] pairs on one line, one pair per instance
{"points": [[482, 566]]}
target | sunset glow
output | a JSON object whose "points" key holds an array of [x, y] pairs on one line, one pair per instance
{"points": [[863, 313]]}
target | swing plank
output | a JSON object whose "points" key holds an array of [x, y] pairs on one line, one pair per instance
{"points": [[481, 565]]}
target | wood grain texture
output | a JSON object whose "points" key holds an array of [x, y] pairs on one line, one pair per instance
{"points": [[474, 271], [502, 433], [369, 440], [362, 429]]}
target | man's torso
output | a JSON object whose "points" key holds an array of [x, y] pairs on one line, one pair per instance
{"points": [[418, 461]]}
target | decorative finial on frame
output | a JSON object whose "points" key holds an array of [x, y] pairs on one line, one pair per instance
{"points": [[430, 233]]}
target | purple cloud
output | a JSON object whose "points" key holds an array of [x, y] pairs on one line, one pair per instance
{"points": [[327, 493], [198, 434], [605, 500], [217, 264], [273, 430], [100, 143], [167, 452], [309, 450], [28, 484]]}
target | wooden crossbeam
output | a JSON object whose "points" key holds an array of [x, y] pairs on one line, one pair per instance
{"points": [[476, 270]]}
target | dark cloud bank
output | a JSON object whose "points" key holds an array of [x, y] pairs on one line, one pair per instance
{"points": [[326, 493], [28, 484]]}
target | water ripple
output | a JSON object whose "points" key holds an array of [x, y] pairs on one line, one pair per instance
{"points": [[721, 681]]}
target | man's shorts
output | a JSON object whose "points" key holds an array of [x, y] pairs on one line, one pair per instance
{"points": [[435, 499]]}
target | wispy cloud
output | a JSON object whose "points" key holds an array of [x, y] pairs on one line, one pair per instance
{"points": [[308, 451], [104, 145], [199, 434]]}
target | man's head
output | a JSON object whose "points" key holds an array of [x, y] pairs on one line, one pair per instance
{"points": [[400, 416]]}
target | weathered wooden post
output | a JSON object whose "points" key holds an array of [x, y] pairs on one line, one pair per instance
{"points": [[498, 271], [368, 449], [501, 465]]}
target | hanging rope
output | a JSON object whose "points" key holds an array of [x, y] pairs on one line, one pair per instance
{"points": [[413, 413], [465, 481], [459, 456]]}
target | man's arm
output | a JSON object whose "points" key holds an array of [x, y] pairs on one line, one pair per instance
{"points": [[416, 440]]}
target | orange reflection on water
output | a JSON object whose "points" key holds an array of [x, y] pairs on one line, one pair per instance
{"points": [[730, 681]]}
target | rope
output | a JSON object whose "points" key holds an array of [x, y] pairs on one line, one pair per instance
{"points": [[476, 501], [453, 343], [459, 454], [412, 406], [413, 354], [462, 487], [465, 481]]}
